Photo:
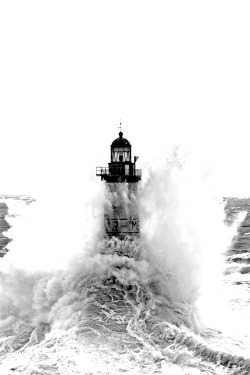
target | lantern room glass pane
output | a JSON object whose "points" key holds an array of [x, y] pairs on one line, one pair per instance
{"points": [[121, 154]]}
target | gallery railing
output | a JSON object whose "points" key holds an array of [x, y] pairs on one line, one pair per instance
{"points": [[117, 171]]}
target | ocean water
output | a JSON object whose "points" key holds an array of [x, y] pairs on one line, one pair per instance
{"points": [[175, 301]]}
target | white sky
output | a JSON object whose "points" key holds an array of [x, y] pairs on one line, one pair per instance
{"points": [[175, 72]]}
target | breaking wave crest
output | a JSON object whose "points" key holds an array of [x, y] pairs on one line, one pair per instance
{"points": [[117, 302]]}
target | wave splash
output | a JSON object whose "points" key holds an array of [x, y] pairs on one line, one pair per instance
{"points": [[118, 303], [122, 305]]}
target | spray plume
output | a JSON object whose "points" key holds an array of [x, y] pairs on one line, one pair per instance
{"points": [[163, 274]]}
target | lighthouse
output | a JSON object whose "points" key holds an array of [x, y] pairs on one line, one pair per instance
{"points": [[121, 217]]}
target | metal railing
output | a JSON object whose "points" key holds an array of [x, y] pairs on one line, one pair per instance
{"points": [[117, 171], [100, 171]]}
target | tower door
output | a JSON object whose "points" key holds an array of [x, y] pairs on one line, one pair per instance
{"points": [[126, 169]]}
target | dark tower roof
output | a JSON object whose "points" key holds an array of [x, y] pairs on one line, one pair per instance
{"points": [[120, 142]]}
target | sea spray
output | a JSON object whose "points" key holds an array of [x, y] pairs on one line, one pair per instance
{"points": [[49, 232], [136, 299], [183, 232]]}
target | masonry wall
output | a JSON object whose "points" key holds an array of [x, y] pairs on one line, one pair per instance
{"points": [[121, 217]]}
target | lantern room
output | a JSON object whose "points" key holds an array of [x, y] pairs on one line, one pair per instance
{"points": [[120, 150], [121, 168]]}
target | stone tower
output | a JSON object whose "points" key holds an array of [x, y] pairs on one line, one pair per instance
{"points": [[121, 217]]}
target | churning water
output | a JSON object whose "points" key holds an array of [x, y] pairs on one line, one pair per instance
{"points": [[175, 301]]}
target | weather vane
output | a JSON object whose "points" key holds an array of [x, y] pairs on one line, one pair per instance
{"points": [[120, 126]]}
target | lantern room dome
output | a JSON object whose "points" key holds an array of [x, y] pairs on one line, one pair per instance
{"points": [[120, 142]]}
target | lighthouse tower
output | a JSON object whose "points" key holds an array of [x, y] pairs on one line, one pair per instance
{"points": [[121, 218]]}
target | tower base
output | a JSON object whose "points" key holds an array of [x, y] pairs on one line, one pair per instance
{"points": [[121, 218]]}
